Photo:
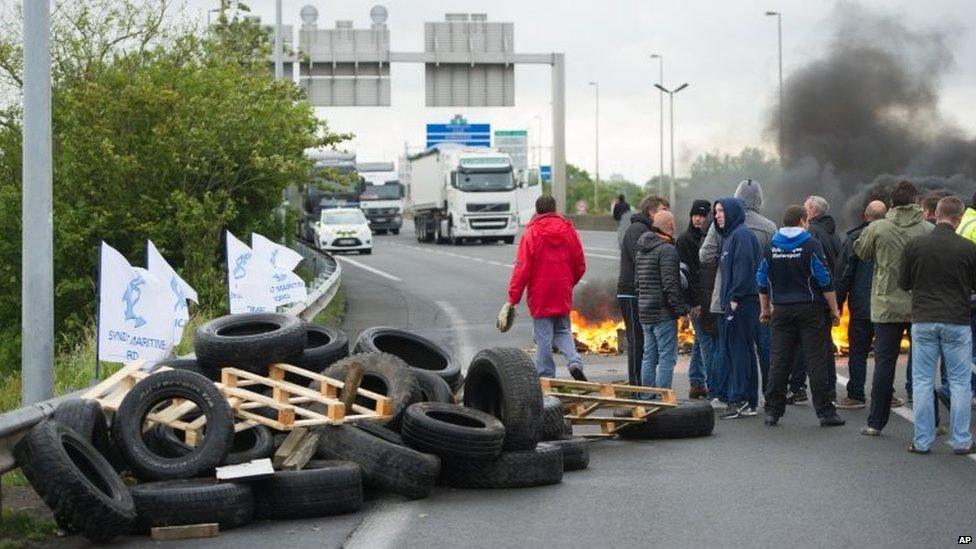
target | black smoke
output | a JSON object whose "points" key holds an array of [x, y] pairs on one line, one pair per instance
{"points": [[866, 114], [597, 300]]}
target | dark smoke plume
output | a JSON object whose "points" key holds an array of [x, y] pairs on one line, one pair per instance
{"points": [[866, 115], [597, 300]]}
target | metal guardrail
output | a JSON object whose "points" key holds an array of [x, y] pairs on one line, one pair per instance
{"points": [[328, 274]]}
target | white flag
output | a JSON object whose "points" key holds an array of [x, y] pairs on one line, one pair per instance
{"points": [[135, 312], [248, 279], [281, 258], [179, 289], [285, 287]]}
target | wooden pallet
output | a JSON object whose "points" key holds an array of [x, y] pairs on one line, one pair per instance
{"points": [[584, 398]]}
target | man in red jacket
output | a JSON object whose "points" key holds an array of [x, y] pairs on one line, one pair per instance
{"points": [[550, 263]]}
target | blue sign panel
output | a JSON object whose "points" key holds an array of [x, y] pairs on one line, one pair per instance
{"points": [[545, 173], [460, 132]]}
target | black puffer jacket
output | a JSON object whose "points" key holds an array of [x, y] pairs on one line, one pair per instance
{"points": [[853, 278], [639, 224], [824, 230], [658, 280], [688, 245]]}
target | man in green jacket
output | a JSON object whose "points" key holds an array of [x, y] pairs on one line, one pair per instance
{"points": [[967, 230], [891, 307]]}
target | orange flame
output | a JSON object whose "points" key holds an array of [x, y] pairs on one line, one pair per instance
{"points": [[600, 336], [839, 335]]}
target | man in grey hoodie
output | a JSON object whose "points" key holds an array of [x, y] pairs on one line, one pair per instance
{"points": [[750, 192]]}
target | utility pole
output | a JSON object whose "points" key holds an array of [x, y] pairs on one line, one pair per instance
{"points": [[559, 131], [671, 193], [37, 231], [278, 64], [596, 181], [779, 32], [660, 81]]}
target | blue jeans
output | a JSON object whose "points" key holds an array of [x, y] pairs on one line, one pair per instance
{"points": [[660, 353], [700, 354], [954, 343], [718, 373], [553, 330]]}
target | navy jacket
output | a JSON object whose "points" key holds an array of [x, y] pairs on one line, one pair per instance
{"points": [[854, 276], [740, 255], [793, 269]]}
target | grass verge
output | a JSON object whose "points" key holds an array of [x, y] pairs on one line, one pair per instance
{"points": [[18, 529], [334, 312]]}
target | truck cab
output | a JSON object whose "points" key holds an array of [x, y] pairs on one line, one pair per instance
{"points": [[381, 196]]}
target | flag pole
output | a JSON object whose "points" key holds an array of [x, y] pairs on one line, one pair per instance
{"points": [[227, 265], [98, 315]]}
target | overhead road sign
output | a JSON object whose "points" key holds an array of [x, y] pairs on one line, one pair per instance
{"points": [[459, 131]]}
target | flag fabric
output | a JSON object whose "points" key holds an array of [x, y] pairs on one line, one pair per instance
{"points": [[248, 279], [281, 258], [135, 312], [179, 289], [285, 286]]}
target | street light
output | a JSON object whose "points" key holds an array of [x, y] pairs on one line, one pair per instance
{"points": [[660, 80], [279, 69], [779, 32], [596, 181], [671, 102]]}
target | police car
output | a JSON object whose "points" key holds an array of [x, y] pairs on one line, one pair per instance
{"points": [[341, 229]]}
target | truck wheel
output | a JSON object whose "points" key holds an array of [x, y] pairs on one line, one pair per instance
{"points": [[438, 237], [395, 231], [509, 240]]}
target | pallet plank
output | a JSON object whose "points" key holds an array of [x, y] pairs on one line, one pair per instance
{"points": [[187, 531]]}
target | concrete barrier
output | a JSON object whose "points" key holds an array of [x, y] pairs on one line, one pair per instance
{"points": [[593, 222]]}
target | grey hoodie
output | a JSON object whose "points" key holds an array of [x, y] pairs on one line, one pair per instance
{"points": [[750, 192]]}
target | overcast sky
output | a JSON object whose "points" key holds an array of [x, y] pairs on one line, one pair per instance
{"points": [[725, 50]]}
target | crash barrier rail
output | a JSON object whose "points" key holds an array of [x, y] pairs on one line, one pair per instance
{"points": [[327, 272]]}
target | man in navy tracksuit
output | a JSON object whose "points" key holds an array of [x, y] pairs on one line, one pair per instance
{"points": [[740, 306], [797, 296]]}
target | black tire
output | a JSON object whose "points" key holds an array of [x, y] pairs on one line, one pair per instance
{"points": [[553, 425], [433, 388], [452, 431], [192, 501], [503, 382], [191, 365], [537, 467], [324, 346], [384, 374], [382, 432], [576, 453], [395, 231], [155, 389], [251, 341], [509, 240], [322, 488], [75, 481], [87, 419], [416, 350], [254, 443], [690, 419], [385, 465]]}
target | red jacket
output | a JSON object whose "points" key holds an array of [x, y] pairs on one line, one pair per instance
{"points": [[550, 262]]}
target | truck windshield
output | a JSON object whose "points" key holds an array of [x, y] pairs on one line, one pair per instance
{"points": [[478, 181], [381, 192], [342, 218]]}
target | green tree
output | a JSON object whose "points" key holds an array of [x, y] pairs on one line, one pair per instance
{"points": [[161, 132], [579, 186]]}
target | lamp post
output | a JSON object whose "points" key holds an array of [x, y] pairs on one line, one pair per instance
{"points": [[671, 102], [660, 81], [596, 181], [279, 68], [779, 32]]}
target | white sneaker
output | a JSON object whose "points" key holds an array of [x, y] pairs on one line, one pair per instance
{"points": [[716, 404], [749, 411]]}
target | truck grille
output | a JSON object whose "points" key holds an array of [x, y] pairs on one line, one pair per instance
{"points": [[488, 222], [482, 208], [380, 211]]}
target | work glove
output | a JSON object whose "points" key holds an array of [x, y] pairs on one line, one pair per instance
{"points": [[506, 317]]}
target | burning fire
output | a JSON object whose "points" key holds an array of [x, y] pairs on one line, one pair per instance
{"points": [[601, 336], [839, 335]]}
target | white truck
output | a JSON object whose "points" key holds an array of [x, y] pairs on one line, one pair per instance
{"points": [[381, 196], [463, 193]]}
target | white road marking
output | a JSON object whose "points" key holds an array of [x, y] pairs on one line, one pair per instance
{"points": [[365, 267], [601, 256], [454, 255], [598, 249], [383, 525], [904, 412], [465, 348]]}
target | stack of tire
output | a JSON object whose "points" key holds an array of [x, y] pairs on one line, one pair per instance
{"points": [[76, 462]]}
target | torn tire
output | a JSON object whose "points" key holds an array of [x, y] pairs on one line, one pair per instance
{"points": [[452, 431], [689, 419], [75, 481], [192, 501], [383, 373], [251, 341], [159, 388], [576, 453], [503, 382], [417, 351], [385, 465], [323, 488], [538, 467]]}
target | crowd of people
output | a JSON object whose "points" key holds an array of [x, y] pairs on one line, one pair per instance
{"points": [[762, 298]]}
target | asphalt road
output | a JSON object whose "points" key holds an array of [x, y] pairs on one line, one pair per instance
{"points": [[746, 486]]}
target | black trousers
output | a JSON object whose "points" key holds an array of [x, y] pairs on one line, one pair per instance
{"points": [[806, 326], [635, 338], [887, 345]]}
